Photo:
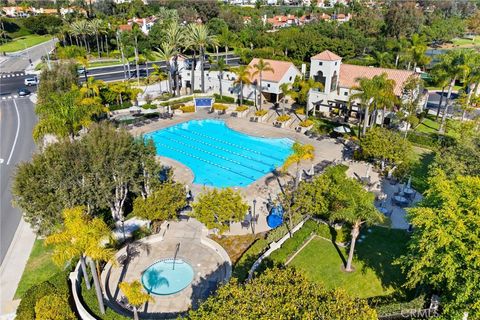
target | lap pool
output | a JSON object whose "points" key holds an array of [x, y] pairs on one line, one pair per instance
{"points": [[219, 156]]}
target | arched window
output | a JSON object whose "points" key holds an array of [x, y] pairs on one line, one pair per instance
{"points": [[333, 85], [320, 78]]}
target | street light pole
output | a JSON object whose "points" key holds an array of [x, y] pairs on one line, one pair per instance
{"points": [[253, 217]]}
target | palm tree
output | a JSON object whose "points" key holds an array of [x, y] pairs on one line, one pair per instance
{"points": [[76, 30], [96, 25], [220, 66], [366, 95], [441, 79], [82, 237], [91, 88], [200, 35], [243, 77], [285, 89], [260, 67], [64, 115], [166, 52], [357, 210], [157, 75], [300, 152], [417, 50], [301, 89], [176, 38], [386, 97], [225, 39], [191, 44], [135, 295]]}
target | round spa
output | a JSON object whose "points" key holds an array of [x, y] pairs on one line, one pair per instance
{"points": [[167, 276]]}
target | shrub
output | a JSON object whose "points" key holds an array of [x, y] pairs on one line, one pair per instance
{"points": [[219, 106], [423, 140], [241, 108], [188, 109], [283, 118], [223, 99], [53, 306], [300, 110], [197, 91], [125, 105], [261, 113], [26, 309], [243, 265], [306, 123], [149, 106], [177, 106], [248, 102], [141, 232]]}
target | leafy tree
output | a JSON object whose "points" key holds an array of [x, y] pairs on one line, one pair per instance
{"points": [[65, 114], [259, 68], [135, 295], [403, 18], [58, 79], [217, 208], [243, 77], [82, 237], [300, 89], [385, 145], [163, 204], [53, 307], [300, 153], [26, 308], [417, 51], [42, 23], [443, 251], [280, 294]]}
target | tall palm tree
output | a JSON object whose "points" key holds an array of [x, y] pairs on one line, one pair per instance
{"points": [[82, 237], [441, 79], [166, 52], [135, 295], [200, 35], [300, 153], [243, 77], [417, 51], [91, 88], [220, 66], [192, 45], [386, 97], [157, 75], [301, 89], [96, 25], [225, 39], [136, 33], [176, 39], [260, 67], [285, 89], [76, 30], [366, 95]]}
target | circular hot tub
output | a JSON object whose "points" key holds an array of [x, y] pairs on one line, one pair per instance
{"points": [[167, 276]]}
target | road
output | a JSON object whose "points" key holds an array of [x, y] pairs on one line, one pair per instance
{"points": [[21, 60], [17, 119]]}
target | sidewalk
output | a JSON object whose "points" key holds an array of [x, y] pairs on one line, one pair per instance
{"points": [[12, 268]]}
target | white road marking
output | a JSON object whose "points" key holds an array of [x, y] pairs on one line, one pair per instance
{"points": [[1, 160], [4, 98], [8, 76], [9, 97], [16, 133], [15, 97]]}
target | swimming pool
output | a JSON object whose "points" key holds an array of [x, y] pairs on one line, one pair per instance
{"points": [[219, 156], [167, 277]]}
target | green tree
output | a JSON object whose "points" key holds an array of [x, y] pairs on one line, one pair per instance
{"points": [[417, 51], [166, 53], [385, 145], [199, 35], [301, 88], [218, 208], [64, 115], [281, 294], [58, 79], [81, 237], [135, 295], [242, 77], [259, 68], [52, 307], [403, 18], [443, 251], [366, 94], [220, 66], [301, 152], [163, 204]]}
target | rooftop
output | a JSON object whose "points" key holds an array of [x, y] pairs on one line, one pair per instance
{"points": [[326, 56], [279, 67]]}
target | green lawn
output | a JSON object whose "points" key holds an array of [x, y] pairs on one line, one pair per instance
{"points": [[422, 158], [23, 42], [39, 268], [428, 125], [466, 42], [374, 275], [104, 63]]}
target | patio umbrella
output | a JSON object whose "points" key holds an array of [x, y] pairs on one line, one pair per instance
{"points": [[409, 183], [342, 129]]}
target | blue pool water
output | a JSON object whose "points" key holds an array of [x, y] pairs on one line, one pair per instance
{"points": [[219, 156], [162, 278]]}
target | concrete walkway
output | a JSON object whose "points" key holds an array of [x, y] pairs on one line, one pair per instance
{"points": [[12, 268]]}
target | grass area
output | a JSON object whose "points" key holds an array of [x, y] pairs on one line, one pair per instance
{"points": [[104, 63], [90, 301], [433, 88], [466, 42], [22, 42], [243, 265], [428, 125], [374, 273], [235, 245], [39, 268], [421, 161]]}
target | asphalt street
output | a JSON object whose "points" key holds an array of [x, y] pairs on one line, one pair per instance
{"points": [[21, 60], [17, 119]]}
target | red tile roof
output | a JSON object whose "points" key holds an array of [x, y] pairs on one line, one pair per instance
{"points": [[125, 27], [349, 74], [326, 56], [279, 68]]}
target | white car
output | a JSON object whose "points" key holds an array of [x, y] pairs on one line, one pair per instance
{"points": [[31, 81]]}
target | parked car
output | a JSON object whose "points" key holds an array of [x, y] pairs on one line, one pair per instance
{"points": [[31, 81], [82, 71], [22, 92]]}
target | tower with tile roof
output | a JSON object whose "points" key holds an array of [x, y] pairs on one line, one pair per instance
{"points": [[325, 68]]}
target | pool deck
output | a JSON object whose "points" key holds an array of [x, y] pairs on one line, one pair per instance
{"points": [[327, 151], [209, 261]]}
